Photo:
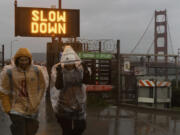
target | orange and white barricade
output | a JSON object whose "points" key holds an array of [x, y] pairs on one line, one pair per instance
{"points": [[163, 84], [164, 92], [146, 91], [146, 83]]}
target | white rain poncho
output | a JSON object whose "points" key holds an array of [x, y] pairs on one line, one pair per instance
{"points": [[12, 67], [68, 57], [72, 81]]}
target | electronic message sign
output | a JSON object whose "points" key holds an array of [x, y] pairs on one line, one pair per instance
{"points": [[46, 22]]}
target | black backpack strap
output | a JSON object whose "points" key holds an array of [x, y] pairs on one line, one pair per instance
{"points": [[86, 74], [36, 70], [9, 73], [59, 78]]}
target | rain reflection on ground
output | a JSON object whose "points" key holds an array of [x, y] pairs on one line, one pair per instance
{"points": [[110, 121], [119, 121]]}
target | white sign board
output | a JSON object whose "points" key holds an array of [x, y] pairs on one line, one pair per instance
{"points": [[126, 66], [140, 70]]}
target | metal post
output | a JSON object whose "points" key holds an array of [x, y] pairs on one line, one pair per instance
{"points": [[15, 7], [87, 47], [176, 62], [100, 46], [11, 50], [118, 72], [148, 64], [51, 59], [53, 38], [155, 88], [60, 6], [49, 63], [99, 67], [155, 94], [166, 67], [2, 55]]}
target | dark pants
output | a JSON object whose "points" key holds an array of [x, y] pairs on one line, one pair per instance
{"points": [[72, 127], [23, 126]]}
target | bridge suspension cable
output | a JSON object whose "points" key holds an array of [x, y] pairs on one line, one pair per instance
{"points": [[137, 44], [149, 49], [171, 44]]}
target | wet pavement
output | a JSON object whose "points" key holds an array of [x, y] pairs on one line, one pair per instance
{"points": [[120, 121], [109, 121]]}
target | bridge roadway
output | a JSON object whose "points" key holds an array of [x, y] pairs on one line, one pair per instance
{"points": [[111, 121]]}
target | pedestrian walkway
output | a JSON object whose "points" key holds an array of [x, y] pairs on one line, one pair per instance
{"points": [[48, 124], [4, 123], [109, 121], [46, 127]]}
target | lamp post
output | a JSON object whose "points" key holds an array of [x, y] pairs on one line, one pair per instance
{"points": [[11, 45]]}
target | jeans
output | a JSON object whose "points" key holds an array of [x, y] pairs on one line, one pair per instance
{"points": [[23, 126], [72, 127]]}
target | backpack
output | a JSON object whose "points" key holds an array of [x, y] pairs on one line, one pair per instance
{"points": [[9, 73]]}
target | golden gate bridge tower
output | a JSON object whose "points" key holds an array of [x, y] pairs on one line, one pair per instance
{"points": [[160, 35]]}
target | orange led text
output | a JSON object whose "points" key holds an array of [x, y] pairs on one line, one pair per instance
{"points": [[50, 22]]}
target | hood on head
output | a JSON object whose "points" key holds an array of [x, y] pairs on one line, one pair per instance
{"points": [[22, 52], [69, 56]]}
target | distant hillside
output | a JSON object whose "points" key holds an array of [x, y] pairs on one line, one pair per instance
{"points": [[39, 57]]}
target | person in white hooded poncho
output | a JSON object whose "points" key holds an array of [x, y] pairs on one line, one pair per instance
{"points": [[70, 76]]}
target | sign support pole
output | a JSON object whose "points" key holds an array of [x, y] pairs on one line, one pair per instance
{"points": [[15, 6], [51, 60], [118, 72], [60, 4], [60, 8]]}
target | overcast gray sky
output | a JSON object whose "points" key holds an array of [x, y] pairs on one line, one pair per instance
{"points": [[99, 19]]}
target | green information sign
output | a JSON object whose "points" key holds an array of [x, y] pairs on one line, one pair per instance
{"points": [[95, 55]]}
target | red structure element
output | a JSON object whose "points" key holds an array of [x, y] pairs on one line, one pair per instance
{"points": [[100, 88], [160, 34]]}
